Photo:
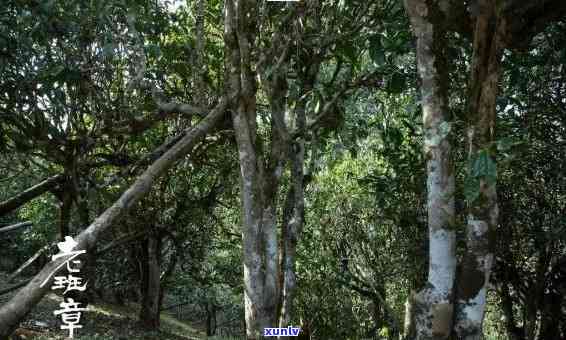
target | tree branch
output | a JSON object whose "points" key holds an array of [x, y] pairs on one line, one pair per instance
{"points": [[15, 226], [29, 261], [20, 305], [120, 241], [28, 194], [14, 287], [366, 80]]}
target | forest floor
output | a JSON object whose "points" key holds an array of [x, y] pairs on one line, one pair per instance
{"points": [[101, 321]]}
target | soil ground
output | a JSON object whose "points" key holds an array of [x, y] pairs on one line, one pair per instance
{"points": [[101, 321]]}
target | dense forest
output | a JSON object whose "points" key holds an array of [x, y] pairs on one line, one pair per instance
{"points": [[304, 169]]}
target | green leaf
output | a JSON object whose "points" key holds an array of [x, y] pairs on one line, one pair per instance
{"points": [[317, 107], [348, 50], [131, 17], [504, 144], [153, 50], [396, 83], [484, 167], [47, 5], [376, 51], [57, 70], [471, 188], [268, 71], [108, 50]]}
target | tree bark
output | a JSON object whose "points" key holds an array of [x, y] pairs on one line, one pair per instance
{"points": [[513, 331], [29, 262], [433, 305], [497, 25], [199, 75], [15, 226], [65, 210], [143, 270], [151, 290], [122, 240], [259, 178], [482, 216], [20, 305], [550, 323], [210, 318], [293, 220], [28, 194], [14, 287], [89, 268]]}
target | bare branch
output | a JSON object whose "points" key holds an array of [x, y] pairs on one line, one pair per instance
{"points": [[144, 161], [175, 107], [15, 226], [28, 194], [29, 261], [121, 241]]}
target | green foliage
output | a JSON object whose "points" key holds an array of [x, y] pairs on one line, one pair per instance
{"points": [[68, 105], [376, 50], [482, 168], [396, 83], [364, 219]]}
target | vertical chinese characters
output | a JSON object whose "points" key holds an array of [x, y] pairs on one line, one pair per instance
{"points": [[70, 311], [70, 315]]}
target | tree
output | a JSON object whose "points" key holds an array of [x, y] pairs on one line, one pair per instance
{"points": [[315, 108], [494, 29], [263, 160], [529, 267], [27, 297]]}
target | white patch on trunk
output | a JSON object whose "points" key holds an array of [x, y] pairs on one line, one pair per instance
{"points": [[442, 269], [474, 310], [477, 228]]}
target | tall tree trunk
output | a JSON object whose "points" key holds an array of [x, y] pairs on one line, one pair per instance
{"points": [[143, 269], [294, 208], [433, 305], [259, 178], [12, 312], [530, 318], [550, 323], [293, 219], [151, 290], [482, 216], [166, 275], [210, 318], [65, 214], [199, 77], [513, 331], [89, 268]]}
